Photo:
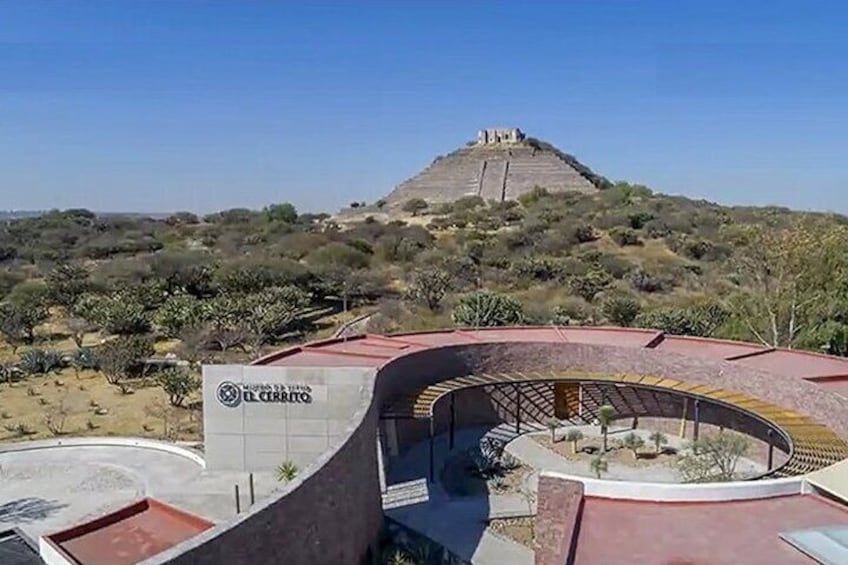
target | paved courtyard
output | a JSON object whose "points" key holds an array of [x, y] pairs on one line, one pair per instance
{"points": [[459, 523], [50, 489]]}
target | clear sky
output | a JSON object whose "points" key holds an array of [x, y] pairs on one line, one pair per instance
{"points": [[122, 105]]}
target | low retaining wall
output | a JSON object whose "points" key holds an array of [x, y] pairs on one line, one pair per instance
{"points": [[140, 443], [670, 492]]}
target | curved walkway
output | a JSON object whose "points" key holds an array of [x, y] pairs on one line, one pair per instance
{"points": [[457, 523]]}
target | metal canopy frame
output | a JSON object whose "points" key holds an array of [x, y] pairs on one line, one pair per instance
{"points": [[812, 446]]}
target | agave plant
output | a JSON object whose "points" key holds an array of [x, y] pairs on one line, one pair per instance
{"points": [[41, 361], [286, 471]]}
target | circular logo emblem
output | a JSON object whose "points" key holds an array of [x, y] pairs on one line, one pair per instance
{"points": [[229, 394]]}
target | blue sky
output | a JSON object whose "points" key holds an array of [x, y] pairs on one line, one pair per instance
{"points": [[164, 105]]}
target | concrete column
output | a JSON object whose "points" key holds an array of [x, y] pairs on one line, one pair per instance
{"points": [[392, 437], [697, 419], [381, 464], [452, 420], [683, 417], [518, 409], [770, 434], [432, 469], [580, 400]]}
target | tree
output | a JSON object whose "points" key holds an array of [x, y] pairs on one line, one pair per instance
{"points": [[66, 283], [283, 212], [606, 414], [573, 436], [178, 383], [286, 471], [123, 356], [260, 317], [179, 313], [429, 286], [599, 465], [620, 309], [18, 321], [121, 313], [712, 458], [658, 439], [414, 205], [184, 273], [487, 309], [553, 424], [634, 443], [349, 286], [793, 277]]}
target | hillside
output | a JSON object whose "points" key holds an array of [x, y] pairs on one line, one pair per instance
{"points": [[560, 254], [93, 298]]}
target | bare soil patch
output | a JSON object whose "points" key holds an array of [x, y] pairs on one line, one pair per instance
{"points": [[590, 447], [520, 530], [93, 407]]}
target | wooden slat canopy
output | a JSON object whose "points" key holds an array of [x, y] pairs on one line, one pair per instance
{"points": [[813, 446]]}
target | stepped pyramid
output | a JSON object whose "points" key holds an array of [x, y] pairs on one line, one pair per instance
{"points": [[501, 165]]}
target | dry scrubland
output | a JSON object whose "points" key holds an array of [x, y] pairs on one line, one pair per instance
{"points": [[230, 286]]}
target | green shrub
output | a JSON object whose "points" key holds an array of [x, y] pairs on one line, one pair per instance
{"points": [[587, 286], [486, 309], [620, 309], [625, 236], [178, 383], [647, 282], [584, 233]]}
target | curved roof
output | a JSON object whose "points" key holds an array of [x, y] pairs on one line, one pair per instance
{"points": [[371, 350]]}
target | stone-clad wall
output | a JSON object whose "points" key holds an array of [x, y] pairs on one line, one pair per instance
{"points": [[558, 515]]}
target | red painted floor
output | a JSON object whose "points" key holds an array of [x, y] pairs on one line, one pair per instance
{"points": [[727, 533], [129, 535]]}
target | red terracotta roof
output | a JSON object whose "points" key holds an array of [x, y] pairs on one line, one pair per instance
{"points": [[377, 350], [732, 533], [129, 535]]}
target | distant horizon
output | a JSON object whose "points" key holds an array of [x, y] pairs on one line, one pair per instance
{"points": [[169, 106]]}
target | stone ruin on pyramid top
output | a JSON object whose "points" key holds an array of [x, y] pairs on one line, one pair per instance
{"points": [[501, 165]]}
